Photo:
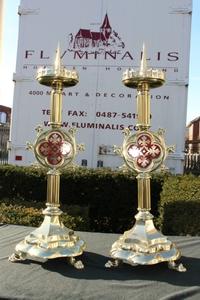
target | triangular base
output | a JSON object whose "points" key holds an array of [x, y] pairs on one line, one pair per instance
{"points": [[51, 240], [143, 244]]}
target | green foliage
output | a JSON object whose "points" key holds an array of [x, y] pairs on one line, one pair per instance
{"points": [[100, 200], [180, 205], [108, 197], [22, 182], [28, 214], [185, 187], [17, 214]]}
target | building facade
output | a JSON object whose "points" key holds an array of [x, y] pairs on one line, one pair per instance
{"points": [[192, 143], [5, 116]]}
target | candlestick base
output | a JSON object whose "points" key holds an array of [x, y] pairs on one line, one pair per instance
{"points": [[144, 245], [51, 240]]}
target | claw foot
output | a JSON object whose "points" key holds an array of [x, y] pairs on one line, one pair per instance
{"points": [[76, 263], [112, 263], [178, 267], [17, 257]]}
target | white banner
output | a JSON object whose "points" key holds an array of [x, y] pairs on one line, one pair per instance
{"points": [[100, 39]]}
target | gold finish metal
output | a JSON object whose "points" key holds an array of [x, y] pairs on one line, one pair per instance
{"points": [[144, 197], [54, 149], [143, 153], [53, 187], [56, 105], [142, 80]]}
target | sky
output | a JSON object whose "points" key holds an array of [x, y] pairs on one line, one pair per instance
{"points": [[10, 50]]}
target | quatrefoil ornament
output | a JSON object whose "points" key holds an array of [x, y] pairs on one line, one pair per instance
{"points": [[55, 148], [144, 151]]}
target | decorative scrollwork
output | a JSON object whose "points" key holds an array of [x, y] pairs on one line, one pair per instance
{"points": [[39, 129], [80, 147], [126, 132], [117, 150], [29, 146], [171, 149], [161, 131], [72, 131]]}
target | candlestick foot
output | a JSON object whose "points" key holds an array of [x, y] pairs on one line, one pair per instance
{"points": [[177, 267], [113, 263], [78, 264], [17, 257], [51, 240], [144, 244]]}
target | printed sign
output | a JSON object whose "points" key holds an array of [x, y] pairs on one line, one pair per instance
{"points": [[101, 39]]}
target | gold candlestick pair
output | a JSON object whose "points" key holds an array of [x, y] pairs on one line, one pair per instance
{"points": [[142, 152]]}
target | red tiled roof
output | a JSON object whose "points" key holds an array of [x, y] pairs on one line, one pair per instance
{"points": [[87, 34], [84, 33]]}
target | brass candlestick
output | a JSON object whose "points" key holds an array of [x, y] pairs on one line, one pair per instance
{"points": [[54, 149], [144, 152]]}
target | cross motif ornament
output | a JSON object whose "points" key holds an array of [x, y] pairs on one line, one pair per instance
{"points": [[54, 148], [144, 151]]}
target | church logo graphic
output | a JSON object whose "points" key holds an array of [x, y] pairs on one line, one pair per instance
{"points": [[106, 39]]}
